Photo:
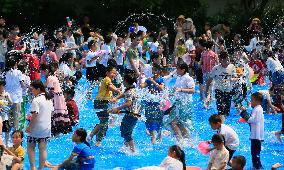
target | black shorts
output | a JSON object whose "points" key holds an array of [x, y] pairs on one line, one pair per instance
{"points": [[127, 125], [37, 140], [199, 76], [101, 70], [92, 73]]}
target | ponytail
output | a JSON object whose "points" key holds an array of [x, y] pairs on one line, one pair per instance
{"points": [[83, 135], [179, 154]]}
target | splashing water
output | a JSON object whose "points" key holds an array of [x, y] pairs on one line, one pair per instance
{"points": [[146, 18]]}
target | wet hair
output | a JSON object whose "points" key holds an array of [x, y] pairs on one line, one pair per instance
{"points": [[50, 43], [241, 160], [2, 82], [22, 67], [66, 56], [221, 41], [130, 78], [218, 138], [92, 42], [179, 153], [209, 44], [133, 36], [202, 42], [53, 66], [182, 66], [154, 56], [83, 135], [37, 84], [107, 39], [112, 63], [10, 62], [257, 96], [57, 42], [21, 133], [110, 68], [223, 55], [157, 66], [215, 119], [70, 91]]}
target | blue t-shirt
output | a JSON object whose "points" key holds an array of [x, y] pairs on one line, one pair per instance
{"points": [[83, 151], [153, 88]]}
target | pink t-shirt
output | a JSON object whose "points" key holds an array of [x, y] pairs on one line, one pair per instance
{"points": [[47, 58], [209, 60]]}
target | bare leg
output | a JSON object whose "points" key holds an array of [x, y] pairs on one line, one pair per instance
{"points": [[153, 136], [176, 130], [42, 154], [131, 145], [184, 131], [31, 155], [95, 130], [17, 166]]}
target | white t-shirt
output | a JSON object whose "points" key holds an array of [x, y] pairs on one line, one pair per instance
{"points": [[42, 124], [64, 67], [184, 82], [273, 65], [168, 163], [231, 138], [256, 122], [89, 56], [60, 51], [13, 85], [219, 157], [120, 52], [171, 164], [105, 57], [223, 77]]}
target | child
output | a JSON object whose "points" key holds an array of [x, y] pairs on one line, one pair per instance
{"points": [[17, 151], [256, 122], [5, 100], [60, 119], [119, 53], [180, 118], [27, 82], [238, 162], [174, 161], [104, 95], [153, 114], [14, 84], [72, 108], [132, 110], [82, 150], [231, 137], [220, 155], [39, 128]]}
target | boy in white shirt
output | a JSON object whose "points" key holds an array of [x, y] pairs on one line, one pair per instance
{"points": [[231, 138], [256, 122]]}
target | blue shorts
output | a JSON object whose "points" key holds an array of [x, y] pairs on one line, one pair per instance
{"points": [[151, 126]]}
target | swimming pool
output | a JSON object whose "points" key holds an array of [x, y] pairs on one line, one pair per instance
{"points": [[111, 155]]}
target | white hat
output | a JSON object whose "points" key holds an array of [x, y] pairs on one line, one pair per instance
{"points": [[189, 19]]}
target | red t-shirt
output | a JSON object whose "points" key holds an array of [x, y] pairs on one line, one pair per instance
{"points": [[49, 57], [209, 60], [73, 111]]}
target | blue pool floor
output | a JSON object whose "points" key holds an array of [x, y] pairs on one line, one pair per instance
{"points": [[112, 156]]}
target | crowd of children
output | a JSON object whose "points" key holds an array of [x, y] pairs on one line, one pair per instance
{"points": [[44, 71]]}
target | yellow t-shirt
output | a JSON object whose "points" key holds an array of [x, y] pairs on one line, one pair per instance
{"points": [[19, 152], [104, 93]]}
